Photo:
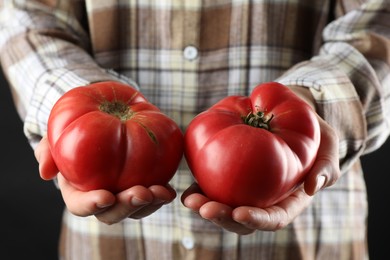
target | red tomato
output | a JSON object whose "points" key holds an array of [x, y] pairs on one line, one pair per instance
{"points": [[108, 136], [253, 151]]}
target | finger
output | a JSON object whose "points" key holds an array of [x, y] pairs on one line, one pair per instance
{"points": [[127, 203], [275, 217], [47, 167], [221, 215], [165, 194], [162, 195], [194, 188], [193, 198], [82, 203], [325, 171]]}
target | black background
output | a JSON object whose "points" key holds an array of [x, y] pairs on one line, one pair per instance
{"points": [[31, 208]]}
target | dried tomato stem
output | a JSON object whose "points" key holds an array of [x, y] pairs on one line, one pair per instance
{"points": [[259, 120], [116, 108]]}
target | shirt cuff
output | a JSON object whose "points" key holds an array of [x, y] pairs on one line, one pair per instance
{"points": [[336, 101]]}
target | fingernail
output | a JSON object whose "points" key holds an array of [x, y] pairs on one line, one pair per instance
{"points": [[136, 202], [103, 206], [160, 202], [320, 183]]}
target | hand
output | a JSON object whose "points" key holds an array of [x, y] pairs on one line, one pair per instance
{"points": [[325, 171], [245, 220], [135, 202]]}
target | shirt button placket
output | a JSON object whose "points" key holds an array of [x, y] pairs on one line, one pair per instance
{"points": [[188, 243], [190, 52]]}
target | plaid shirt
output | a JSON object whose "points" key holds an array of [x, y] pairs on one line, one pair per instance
{"points": [[186, 55]]}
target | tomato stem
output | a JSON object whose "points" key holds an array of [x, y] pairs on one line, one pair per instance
{"points": [[259, 120], [118, 109]]}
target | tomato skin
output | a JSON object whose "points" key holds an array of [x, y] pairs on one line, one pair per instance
{"points": [[94, 149], [238, 164]]}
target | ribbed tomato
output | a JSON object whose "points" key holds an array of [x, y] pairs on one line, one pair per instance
{"points": [[108, 136], [253, 151]]}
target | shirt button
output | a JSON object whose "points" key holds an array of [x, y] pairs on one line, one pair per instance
{"points": [[188, 243], [190, 52]]}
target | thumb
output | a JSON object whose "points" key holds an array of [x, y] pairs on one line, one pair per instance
{"points": [[325, 171], [47, 167]]}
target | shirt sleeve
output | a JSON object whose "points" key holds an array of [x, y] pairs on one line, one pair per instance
{"points": [[350, 78], [44, 52]]}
